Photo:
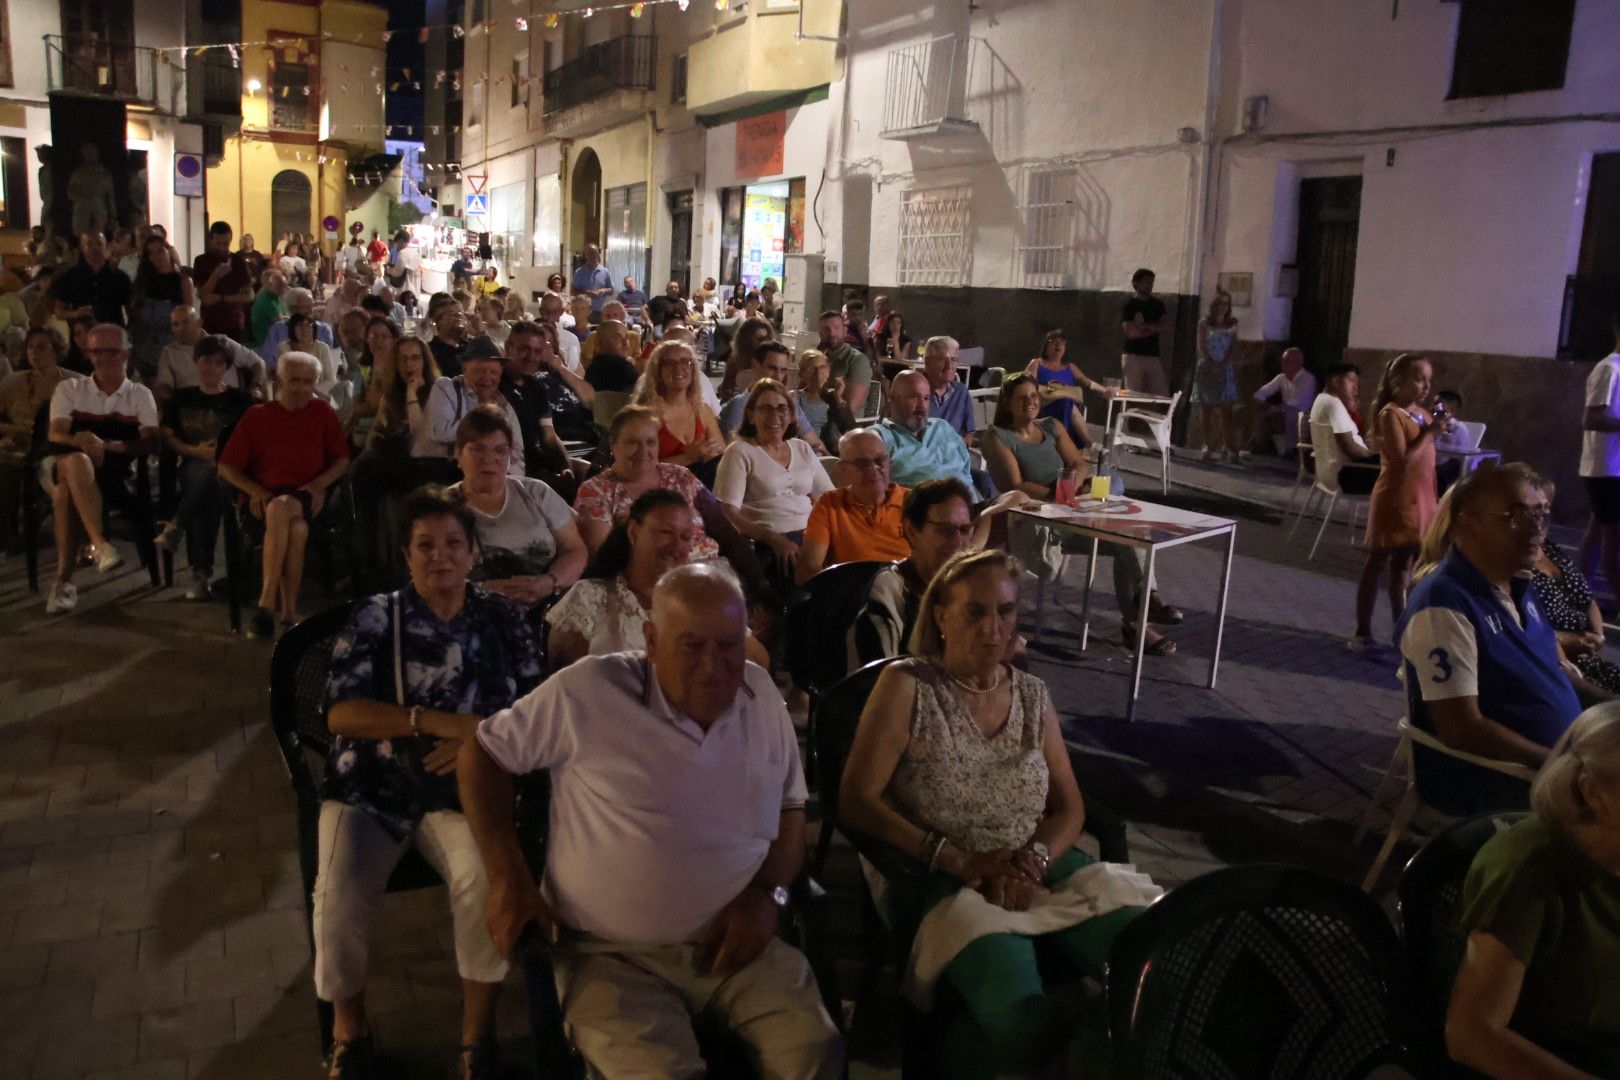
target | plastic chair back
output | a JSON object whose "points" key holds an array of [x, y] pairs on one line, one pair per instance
{"points": [[1469, 434], [992, 378], [836, 715], [818, 616], [1430, 902], [1257, 971], [1325, 451]]}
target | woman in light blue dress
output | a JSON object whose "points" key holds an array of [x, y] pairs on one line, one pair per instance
{"points": [[1214, 389]]}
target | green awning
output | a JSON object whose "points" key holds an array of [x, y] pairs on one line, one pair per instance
{"points": [[769, 105]]}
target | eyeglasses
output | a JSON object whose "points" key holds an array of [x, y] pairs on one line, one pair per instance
{"points": [[863, 463], [774, 410], [950, 528], [1522, 518]]}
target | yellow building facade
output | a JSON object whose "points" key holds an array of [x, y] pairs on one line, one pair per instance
{"points": [[312, 100]]}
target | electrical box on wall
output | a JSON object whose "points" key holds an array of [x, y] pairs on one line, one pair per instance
{"points": [[801, 291]]}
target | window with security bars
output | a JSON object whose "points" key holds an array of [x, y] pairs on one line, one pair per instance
{"points": [[1045, 250], [935, 248]]}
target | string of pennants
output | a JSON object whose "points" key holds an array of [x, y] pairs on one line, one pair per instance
{"points": [[493, 24]]}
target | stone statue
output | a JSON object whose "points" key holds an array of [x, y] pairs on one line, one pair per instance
{"points": [[90, 193], [47, 191]]}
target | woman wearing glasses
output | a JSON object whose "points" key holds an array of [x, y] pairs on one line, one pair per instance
{"points": [[688, 432], [1030, 453], [770, 478]]}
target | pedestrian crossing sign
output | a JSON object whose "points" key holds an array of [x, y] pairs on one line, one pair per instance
{"points": [[477, 204]]}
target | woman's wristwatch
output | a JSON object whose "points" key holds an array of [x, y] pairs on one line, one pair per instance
{"points": [[1042, 853]]}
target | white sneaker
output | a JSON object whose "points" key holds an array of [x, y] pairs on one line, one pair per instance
{"points": [[108, 559], [64, 597], [1359, 643], [199, 589]]}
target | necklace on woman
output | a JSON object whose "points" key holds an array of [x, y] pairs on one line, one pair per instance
{"points": [[969, 688]]}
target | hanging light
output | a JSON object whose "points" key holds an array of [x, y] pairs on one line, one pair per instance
{"points": [[254, 86], [636, 10]]}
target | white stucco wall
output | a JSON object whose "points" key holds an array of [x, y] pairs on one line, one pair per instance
{"points": [[1465, 240], [1102, 86]]}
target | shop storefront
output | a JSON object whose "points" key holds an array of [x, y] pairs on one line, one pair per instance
{"points": [[761, 225]]}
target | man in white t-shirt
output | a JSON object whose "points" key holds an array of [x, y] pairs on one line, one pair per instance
{"points": [[1334, 408], [1286, 398], [675, 831], [99, 427], [1600, 462], [551, 311]]}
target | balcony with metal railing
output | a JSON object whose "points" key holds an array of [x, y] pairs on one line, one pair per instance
{"points": [[926, 88], [215, 84], [91, 64], [602, 86]]}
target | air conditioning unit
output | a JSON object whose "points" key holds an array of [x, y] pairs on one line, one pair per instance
{"points": [[801, 292]]}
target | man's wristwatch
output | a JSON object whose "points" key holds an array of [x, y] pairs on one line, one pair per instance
{"points": [[1040, 851]]}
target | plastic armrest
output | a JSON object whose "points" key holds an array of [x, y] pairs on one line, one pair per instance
{"points": [[1507, 768]]}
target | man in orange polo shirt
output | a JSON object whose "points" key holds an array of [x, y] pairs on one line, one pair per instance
{"points": [[860, 520]]}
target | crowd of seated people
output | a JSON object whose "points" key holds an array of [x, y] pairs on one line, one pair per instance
{"points": [[541, 563]]}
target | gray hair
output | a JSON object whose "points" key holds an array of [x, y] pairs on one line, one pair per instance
{"points": [[113, 328], [849, 437], [300, 358], [696, 584], [299, 293], [1591, 747], [941, 343]]}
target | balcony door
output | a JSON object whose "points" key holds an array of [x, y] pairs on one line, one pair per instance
{"points": [[98, 46], [290, 194]]}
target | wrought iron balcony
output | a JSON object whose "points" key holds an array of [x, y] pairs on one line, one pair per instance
{"points": [[927, 87], [90, 64], [622, 63], [217, 84]]}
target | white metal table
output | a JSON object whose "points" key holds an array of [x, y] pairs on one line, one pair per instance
{"points": [[1150, 527], [1471, 458]]}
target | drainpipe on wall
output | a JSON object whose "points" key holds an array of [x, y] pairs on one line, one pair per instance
{"points": [[652, 134], [565, 208], [1203, 238]]}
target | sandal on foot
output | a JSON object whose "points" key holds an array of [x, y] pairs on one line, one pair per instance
{"points": [[352, 1059], [1163, 614], [1163, 646]]}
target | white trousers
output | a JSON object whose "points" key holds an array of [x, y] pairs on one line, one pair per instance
{"points": [[355, 857]]}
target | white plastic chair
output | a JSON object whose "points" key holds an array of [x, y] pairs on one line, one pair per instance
{"points": [[1401, 768], [1325, 451], [1158, 426], [984, 405], [1302, 477], [829, 464]]}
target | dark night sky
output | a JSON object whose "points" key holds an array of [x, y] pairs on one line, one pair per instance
{"points": [[405, 53]]}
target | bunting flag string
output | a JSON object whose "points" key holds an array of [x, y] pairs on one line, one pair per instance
{"points": [[551, 20]]}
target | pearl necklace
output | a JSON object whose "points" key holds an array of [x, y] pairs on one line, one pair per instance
{"points": [[966, 688]]}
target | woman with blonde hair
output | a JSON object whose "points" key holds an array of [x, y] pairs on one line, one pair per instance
{"points": [[959, 763], [1403, 499], [1538, 992], [1214, 389], [689, 432]]}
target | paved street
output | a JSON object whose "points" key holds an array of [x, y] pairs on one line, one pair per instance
{"points": [[149, 891]]}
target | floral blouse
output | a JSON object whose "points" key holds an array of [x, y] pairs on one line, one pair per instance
{"points": [[606, 498], [479, 662], [981, 793], [606, 614]]}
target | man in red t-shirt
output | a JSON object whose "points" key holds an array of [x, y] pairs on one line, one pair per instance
{"points": [[224, 285], [284, 456], [377, 253]]}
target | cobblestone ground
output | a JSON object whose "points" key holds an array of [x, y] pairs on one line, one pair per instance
{"points": [[149, 890]]}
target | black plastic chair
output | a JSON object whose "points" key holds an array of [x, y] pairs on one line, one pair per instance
{"points": [[1263, 972], [1430, 899], [815, 630]]}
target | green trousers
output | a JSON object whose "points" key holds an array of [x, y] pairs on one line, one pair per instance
{"points": [[992, 1012]]}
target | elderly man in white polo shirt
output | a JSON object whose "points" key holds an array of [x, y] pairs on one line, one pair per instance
{"points": [[98, 427], [677, 823]]}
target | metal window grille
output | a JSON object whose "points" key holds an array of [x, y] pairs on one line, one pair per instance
{"points": [[935, 247], [1044, 253], [925, 83]]}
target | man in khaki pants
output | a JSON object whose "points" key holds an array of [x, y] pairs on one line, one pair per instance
{"points": [[1143, 322], [677, 823]]}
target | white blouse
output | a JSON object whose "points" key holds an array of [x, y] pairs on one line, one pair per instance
{"points": [[769, 495], [605, 613]]}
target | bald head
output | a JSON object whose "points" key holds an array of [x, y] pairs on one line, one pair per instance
{"points": [[908, 400], [614, 338], [864, 464], [696, 640]]}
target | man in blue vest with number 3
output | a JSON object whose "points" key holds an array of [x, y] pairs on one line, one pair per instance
{"points": [[1481, 662]]}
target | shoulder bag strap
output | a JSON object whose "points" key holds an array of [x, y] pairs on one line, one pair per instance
{"points": [[399, 664]]}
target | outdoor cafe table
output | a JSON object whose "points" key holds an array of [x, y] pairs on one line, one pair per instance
{"points": [[1152, 528]]}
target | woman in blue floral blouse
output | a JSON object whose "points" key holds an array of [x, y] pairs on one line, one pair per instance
{"points": [[411, 677]]}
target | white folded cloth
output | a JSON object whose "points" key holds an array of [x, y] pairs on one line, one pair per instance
{"points": [[958, 920]]}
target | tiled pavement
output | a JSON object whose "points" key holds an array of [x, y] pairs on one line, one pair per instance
{"points": [[149, 893]]}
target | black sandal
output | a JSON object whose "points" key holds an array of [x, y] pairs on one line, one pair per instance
{"points": [[352, 1059], [1163, 614], [1162, 647]]}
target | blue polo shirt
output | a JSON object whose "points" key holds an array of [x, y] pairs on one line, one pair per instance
{"points": [[954, 406], [937, 453], [1461, 637], [733, 412]]}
